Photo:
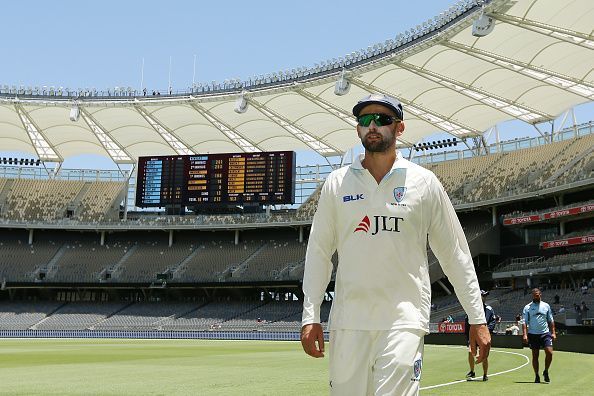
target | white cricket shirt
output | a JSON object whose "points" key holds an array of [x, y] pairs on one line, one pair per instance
{"points": [[380, 233]]}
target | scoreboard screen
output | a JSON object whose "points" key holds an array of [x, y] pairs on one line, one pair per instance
{"points": [[216, 179]]}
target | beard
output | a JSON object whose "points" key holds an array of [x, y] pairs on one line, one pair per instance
{"points": [[535, 300], [379, 145]]}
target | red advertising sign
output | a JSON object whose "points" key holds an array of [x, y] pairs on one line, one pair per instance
{"points": [[569, 212], [522, 220], [581, 240], [447, 327]]}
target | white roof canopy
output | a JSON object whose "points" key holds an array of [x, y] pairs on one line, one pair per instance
{"points": [[535, 64]]}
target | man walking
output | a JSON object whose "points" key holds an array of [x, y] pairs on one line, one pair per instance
{"points": [[491, 322], [378, 214], [537, 319]]}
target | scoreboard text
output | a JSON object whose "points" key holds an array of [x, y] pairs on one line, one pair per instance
{"points": [[216, 179]]}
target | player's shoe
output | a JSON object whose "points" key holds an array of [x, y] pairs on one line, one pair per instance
{"points": [[545, 374], [470, 375], [485, 377], [537, 379]]}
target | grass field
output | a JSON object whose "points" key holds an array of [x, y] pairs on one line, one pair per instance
{"points": [[196, 367]]}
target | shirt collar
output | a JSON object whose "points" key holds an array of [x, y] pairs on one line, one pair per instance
{"points": [[359, 166]]}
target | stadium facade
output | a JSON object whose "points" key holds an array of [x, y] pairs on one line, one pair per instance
{"points": [[76, 255]]}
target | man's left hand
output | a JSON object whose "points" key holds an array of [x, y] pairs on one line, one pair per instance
{"points": [[480, 336]]}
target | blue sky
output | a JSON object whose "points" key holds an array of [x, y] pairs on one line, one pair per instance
{"points": [[102, 44]]}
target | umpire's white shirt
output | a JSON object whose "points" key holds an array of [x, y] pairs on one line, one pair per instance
{"points": [[380, 233]]}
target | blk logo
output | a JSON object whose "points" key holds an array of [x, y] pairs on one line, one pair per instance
{"points": [[349, 198], [381, 223]]}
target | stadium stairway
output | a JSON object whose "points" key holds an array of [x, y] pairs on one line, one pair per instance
{"points": [[555, 175], [177, 271], [469, 186], [111, 314], [51, 268], [34, 327], [163, 324], [79, 197], [113, 271], [5, 190], [286, 272], [236, 273]]}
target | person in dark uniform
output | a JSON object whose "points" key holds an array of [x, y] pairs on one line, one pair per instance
{"points": [[491, 322]]}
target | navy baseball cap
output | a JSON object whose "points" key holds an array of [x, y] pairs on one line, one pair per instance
{"points": [[384, 100]]}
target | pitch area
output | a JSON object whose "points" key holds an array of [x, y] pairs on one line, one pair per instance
{"points": [[197, 367]]}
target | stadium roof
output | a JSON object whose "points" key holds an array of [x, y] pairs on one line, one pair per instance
{"points": [[535, 64]]}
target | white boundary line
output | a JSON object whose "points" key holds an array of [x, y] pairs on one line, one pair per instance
{"points": [[490, 375]]}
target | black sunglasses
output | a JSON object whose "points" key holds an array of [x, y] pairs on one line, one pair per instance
{"points": [[378, 118]]}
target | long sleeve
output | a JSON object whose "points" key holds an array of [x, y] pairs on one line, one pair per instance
{"points": [[448, 242], [318, 259]]}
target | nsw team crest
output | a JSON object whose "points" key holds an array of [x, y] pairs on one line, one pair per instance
{"points": [[399, 193], [417, 369]]}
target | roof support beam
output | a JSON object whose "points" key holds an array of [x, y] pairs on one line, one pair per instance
{"points": [[167, 134], [338, 112], [44, 151], [241, 141], [569, 36], [318, 145], [502, 104], [118, 154], [578, 87], [439, 121]]}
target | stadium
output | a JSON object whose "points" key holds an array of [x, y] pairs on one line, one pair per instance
{"points": [[109, 274]]}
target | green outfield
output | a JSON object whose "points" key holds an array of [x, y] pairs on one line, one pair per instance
{"points": [[196, 367]]}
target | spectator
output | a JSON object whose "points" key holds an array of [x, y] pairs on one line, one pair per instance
{"points": [[557, 299], [584, 309], [521, 321], [578, 311], [584, 288], [515, 328]]}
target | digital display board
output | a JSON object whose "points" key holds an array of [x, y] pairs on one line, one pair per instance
{"points": [[216, 179]]}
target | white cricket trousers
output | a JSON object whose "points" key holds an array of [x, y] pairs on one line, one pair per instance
{"points": [[375, 362]]}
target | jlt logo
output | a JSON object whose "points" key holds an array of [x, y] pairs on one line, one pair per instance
{"points": [[381, 223]]}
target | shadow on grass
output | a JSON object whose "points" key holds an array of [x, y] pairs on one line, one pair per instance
{"points": [[531, 382]]}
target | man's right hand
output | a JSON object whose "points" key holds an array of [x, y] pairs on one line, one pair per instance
{"points": [[312, 340], [525, 339]]}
